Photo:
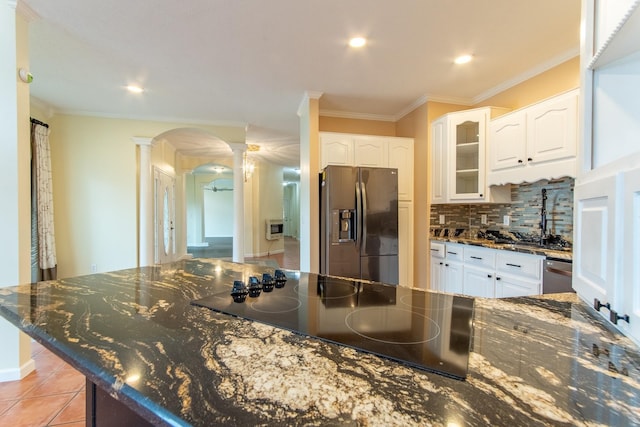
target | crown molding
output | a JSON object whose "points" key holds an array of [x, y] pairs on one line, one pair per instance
{"points": [[353, 115], [24, 10], [309, 94], [161, 119], [553, 62]]}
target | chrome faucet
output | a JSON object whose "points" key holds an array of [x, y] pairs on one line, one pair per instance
{"points": [[543, 219]]}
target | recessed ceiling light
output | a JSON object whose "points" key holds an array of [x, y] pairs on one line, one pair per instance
{"points": [[357, 42], [463, 59], [135, 89]]}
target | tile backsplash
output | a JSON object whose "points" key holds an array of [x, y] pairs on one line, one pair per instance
{"points": [[524, 211]]}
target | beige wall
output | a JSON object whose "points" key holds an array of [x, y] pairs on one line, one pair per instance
{"points": [[95, 163], [559, 79], [268, 203], [359, 126]]}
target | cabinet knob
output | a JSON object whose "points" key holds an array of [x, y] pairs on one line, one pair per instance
{"points": [[489, 276], [497, 278], [597, 305], [529, 159], [481, 195], [441, 263], [519, 160], [614, 317], [446, 265]]}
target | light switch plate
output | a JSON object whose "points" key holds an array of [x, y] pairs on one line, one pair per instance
{"points": [[483, 219], [506, 220], [441, 219]]}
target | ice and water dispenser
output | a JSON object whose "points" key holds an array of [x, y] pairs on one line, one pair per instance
{"points": [[343, 225]]}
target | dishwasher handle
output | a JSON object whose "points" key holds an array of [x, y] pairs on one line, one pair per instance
{"points": [[557, 271]]}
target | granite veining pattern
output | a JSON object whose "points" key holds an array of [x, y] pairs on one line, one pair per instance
{"points": [[534, 360]]}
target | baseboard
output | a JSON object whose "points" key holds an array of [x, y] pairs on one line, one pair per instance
{"points": [[15, 374], [264, 254]]}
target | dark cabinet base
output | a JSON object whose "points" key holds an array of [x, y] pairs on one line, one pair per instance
{"points": [[104, 410]]}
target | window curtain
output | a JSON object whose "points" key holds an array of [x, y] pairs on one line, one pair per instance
{"points": [[44, 264]]}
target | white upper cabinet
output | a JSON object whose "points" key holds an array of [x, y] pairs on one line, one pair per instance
{"points": [[458, 164], [507, 141], [607, 192], [400, 156], [439, 161], [336, 149], [616, 30], [370, 152], [536, 142], [347, 149]]}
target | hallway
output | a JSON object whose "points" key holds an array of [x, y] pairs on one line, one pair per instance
{"points": [[223, 248]]}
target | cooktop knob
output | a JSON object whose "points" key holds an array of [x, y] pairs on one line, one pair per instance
{"points": [[255, 287], [267, 282], [281, 278], [239, 291]]}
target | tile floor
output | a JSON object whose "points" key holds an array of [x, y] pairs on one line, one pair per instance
{"points": [[54, 394]]}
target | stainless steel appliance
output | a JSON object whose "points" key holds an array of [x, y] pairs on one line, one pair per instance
{"points": [[556, 276], [359, 223]]}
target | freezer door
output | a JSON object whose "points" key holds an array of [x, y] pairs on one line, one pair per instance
{"points": [[381, 269], [379, 188], [339, 254]]}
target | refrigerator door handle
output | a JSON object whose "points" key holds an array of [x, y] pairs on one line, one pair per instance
{"points": [[358, 215], [363, 224]]}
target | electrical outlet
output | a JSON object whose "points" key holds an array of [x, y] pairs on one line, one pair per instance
{"points": [[94, 268], [506, 220], [441, 219], [483, 219]]}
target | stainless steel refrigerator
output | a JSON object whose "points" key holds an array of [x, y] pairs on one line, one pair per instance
{"points": [[359, 223]]}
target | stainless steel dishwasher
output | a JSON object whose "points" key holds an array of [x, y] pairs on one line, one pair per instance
{"points": [[556, 276]]}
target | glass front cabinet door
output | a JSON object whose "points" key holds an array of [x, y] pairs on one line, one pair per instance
{"points": [[467, 167]]}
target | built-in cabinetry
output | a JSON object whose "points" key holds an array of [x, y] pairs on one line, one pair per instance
{"points": [[458, 167], [535, 142], [484, 272], [607, 191], [347, 149]]}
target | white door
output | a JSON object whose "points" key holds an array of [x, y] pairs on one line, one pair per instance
{"points": [[164, 217], [507, 146], [551, 129]]}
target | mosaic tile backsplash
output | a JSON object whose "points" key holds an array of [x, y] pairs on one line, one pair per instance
{"points": [[524, 211]]}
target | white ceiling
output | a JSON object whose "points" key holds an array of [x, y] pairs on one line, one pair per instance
{"points": [[249, 62]]}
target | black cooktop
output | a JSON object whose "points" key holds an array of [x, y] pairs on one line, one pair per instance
{"points": [[427, 330]]}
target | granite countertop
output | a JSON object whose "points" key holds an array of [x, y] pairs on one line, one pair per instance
{"points": [[534, 360], [564, 254]]}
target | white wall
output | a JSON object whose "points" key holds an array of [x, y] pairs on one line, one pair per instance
{"points": [[218, 209]]}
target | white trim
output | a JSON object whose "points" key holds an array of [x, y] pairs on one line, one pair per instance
{"points": [[24, 10], [309, 94], [161, 119], [351, 115], [15, 374]]}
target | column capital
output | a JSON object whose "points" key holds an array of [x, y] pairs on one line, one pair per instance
{"points": [[238, 146], [142, 140]]}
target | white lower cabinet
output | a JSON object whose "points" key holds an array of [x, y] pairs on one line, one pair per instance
{"points": [[479, 282], [518, 274], [484, 272], [507, 286]]}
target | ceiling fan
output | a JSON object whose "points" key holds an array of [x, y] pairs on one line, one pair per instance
{"points": [[216, 189]]}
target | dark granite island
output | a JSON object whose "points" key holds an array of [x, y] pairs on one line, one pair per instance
{"points": [[135, 335]]}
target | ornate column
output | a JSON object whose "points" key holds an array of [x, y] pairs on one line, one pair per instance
{"points": [[238, 200], [145, 216]]}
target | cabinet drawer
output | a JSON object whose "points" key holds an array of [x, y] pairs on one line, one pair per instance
{"points": [[437, 250], [520, 265], [454, 252], [481, 257]]}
